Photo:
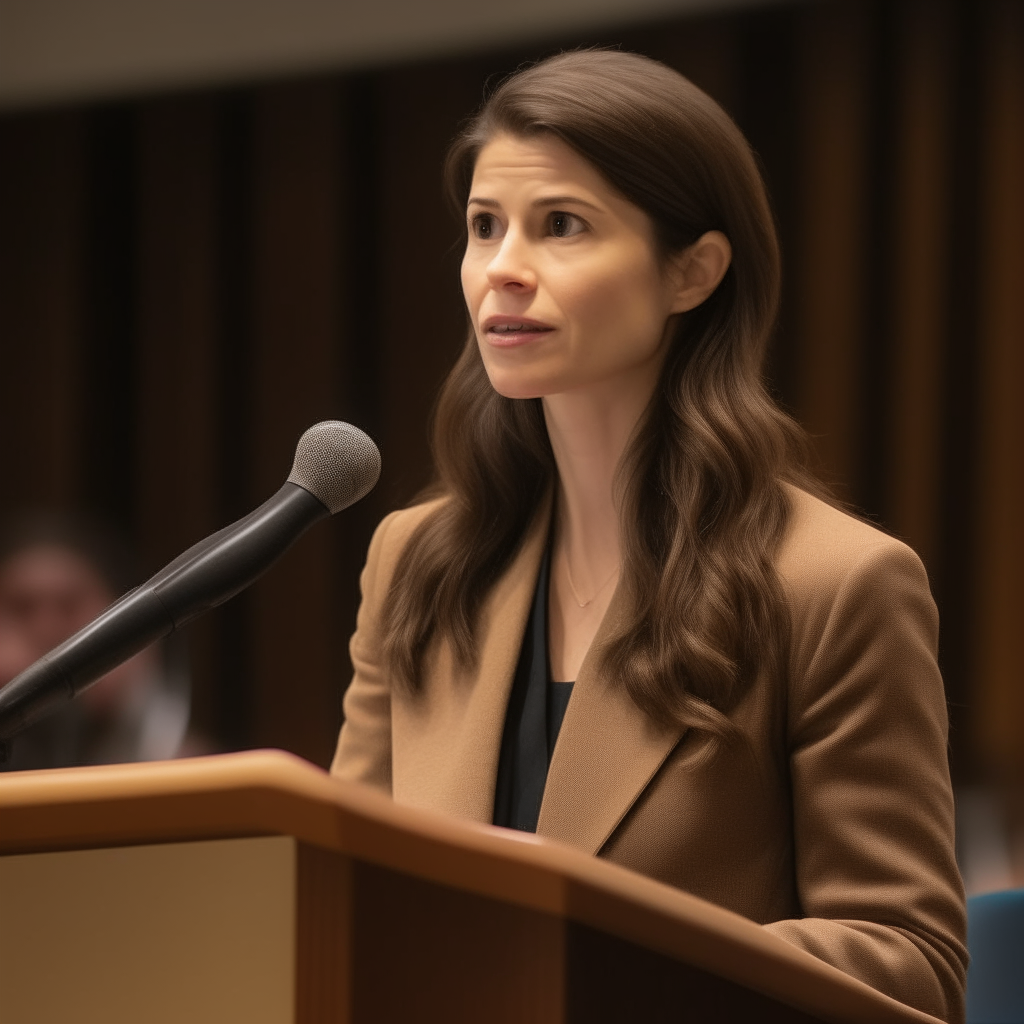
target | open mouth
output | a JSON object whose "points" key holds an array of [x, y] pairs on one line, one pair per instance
{"points": [[506, 330], [517, 329]]}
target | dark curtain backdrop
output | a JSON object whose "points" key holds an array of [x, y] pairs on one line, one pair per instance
{"points": [[188, 281]]}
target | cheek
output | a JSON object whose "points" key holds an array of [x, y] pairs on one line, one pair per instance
{"points": [[618, 305], [472, 277]]}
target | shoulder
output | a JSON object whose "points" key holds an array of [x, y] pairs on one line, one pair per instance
{"points": [[393, 533], [395, 529], [842, 576], [823, 545]]}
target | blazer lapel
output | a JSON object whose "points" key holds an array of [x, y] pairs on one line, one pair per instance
{"points": [[607, 752], [448, 739], [447, 742]]}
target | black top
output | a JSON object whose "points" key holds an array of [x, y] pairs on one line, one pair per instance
{"points": [[536, 708]]}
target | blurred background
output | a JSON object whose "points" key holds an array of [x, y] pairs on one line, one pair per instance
{"points": [[222, 221]]}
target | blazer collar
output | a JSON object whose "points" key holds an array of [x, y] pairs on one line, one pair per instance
{"points": [[447, 756], [608, 750]]}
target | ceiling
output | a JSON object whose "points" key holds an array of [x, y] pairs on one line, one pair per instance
{"points": [[59, 51]]}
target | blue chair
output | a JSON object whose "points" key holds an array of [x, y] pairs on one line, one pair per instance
{"points": [[995, 938]]}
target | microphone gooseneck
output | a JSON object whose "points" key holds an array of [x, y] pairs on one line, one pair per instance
{"points": [[335, 465]]}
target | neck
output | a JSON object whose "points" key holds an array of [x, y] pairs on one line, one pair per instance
{"points": [[589, 432]]}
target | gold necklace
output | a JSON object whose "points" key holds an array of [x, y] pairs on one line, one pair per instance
{"points": [[575, 593]]}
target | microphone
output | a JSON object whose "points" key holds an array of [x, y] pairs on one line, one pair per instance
{"points": [[335, 465]]}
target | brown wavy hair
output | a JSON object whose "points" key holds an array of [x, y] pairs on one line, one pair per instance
{"points": [[703, 507]]}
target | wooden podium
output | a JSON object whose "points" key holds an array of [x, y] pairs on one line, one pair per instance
{"points": [[254, 887]]}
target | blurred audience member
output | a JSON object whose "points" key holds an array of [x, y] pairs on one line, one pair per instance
{"points": [[56, 575], [990, 836]]}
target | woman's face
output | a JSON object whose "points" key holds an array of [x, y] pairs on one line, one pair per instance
{"points": [[561, 274]]}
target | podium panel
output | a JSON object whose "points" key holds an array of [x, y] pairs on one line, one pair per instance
{"points": [[253, 887], [167, 933]]}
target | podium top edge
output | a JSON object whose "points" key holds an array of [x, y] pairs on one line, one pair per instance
{"points": [[271, 792]]}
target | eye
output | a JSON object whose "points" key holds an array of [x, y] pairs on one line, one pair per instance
{"points": [[564, 225], [482, 226]]}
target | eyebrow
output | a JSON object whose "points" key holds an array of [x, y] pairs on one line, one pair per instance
{"points": [[543, 201]]}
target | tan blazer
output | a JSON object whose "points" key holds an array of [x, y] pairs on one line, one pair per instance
{"points": [[832, 826]]}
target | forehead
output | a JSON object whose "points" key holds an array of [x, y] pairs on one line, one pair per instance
{"points": [[542, 162]]}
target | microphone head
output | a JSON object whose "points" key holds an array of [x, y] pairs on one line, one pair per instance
{"points": [[336, 462]]}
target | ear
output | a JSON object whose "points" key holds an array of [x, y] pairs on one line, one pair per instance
{"points": [[700, 269]]}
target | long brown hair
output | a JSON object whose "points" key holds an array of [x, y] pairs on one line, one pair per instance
{"points": [[703, 507]]}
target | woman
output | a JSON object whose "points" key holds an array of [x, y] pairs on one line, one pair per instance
{"points": [[622, 534]]}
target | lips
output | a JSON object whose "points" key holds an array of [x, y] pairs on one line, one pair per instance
{"points": [[508, 329], [512, 328]]}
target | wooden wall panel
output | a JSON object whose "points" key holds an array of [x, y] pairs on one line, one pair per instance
{"points": [[829, 318], [920, 260], [296, 342], [42, 226], [999, 667], [178, 327], [422, 319], [177, 472]]}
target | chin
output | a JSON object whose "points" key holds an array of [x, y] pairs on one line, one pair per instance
{"points": [[514, 385], [523, 389], [514, 392]]}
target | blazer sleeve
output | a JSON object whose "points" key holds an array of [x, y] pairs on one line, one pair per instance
{"points": [[872, 803], [363, 753]]}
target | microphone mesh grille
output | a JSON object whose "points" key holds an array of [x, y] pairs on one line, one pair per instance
{"points": [[336, 462]]}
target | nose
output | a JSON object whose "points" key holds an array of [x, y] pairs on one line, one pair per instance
{"points": [[511, 268]]}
